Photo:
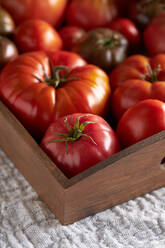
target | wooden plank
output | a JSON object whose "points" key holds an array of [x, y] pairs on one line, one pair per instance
{"points": [[132, 175]]}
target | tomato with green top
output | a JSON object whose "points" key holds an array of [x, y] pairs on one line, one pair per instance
{"points": [[77, 142]]}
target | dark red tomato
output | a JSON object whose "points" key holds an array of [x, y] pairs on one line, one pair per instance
{"points": [[77, 142], [70, 36], [127, 28], [154, 35], [34, 88], [137, 86], [8, 51], [91, 14], [143, 11], [7, 25], [141, 121], [37, 35], [51, 11]]}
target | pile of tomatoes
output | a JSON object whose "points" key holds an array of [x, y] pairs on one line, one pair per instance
{"points": [[85, 78]]}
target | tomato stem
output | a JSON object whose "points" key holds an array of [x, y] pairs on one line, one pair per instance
{"points": [[152, 75], [110, 42], [56, 80], [74, 133]]}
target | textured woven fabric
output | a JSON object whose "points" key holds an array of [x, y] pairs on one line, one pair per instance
{"points": [[26, 222]]}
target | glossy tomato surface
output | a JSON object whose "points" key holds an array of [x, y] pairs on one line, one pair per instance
{"points": [[140, 78], [37, 35], [7, 25], [70, 36], [127, 28], [51, 11], [99, 143], [8, 51], [91, 14], [38, 89], [141, 121], [154, 35], [103, 47]]}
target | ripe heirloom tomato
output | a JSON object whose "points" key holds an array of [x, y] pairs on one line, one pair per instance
{"points": [[91, 14], [39, 88], [51, 11], [103, 47], [8, 51], [154, 35], [77, 142], [127, 28], [140, 78], [70, 36], [143, 11], [141, 121], [7, 25], [37, 35]]}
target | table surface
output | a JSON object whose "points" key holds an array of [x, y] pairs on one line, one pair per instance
{"points": [[26, 222]]}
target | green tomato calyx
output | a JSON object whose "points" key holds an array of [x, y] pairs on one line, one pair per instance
{"points": [[74, 133], [56, 80], [152, 74]]}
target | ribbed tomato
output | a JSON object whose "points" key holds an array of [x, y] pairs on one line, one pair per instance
{"points": [[139, 78], [40, 87]]}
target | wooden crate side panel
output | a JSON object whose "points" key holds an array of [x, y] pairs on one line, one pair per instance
{"points": [[125, 179], [32, 162]]}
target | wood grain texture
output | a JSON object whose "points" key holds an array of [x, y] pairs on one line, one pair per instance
{"points": [[124, 176]]}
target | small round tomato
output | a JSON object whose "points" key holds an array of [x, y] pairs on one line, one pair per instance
{"points": [[141, 121], [70, 36], [8, 51], [77, 142], [154, 35], [143, 11], [127, 28], [51, 11], [140, 78], [7, 25], [36, 35], [103, 47], [91, 14], [40, 87]]}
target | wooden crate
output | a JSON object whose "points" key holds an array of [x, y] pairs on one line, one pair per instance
{"points": [[130, 173]]}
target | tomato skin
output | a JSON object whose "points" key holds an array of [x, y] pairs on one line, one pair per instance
{"points": [[141, 121], [82, 153], [37, 35], [25, 88], [7, 25], [8, 51], [91, 14], [149, 85], [127, 28], [143, 11], [51, 11], [103, 47], [155, 44], [70, 36], [134, 67]]}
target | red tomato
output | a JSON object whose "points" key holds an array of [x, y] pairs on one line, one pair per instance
{"points": [[51, 11], [141, 121], [128, 29], [36, 35], [70, 36], [91, 14], [78, 141], [154, 35], [38, 93], [137, 86]]}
